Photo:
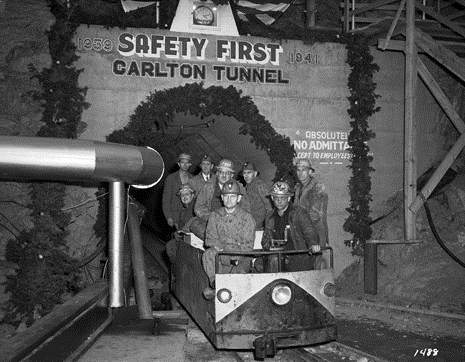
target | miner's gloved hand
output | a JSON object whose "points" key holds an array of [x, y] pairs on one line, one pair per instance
{"points": [[315, 249], [266, 244]]}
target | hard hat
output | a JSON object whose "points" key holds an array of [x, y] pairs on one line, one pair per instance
{"points": [[206, 158], [231, 187], [184, 156], [304, 162], [281, 188], [248, 166], [184, 188], [225, 165]]}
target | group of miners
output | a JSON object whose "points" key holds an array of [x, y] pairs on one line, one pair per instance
{"points": [[225, 214]]}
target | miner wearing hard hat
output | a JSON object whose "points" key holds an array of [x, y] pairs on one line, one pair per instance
{"points": [[205, 175], [290, 227], [312, 196], [229, 228], [186, 194], [257, 191], [171, 203], [209, 198]]}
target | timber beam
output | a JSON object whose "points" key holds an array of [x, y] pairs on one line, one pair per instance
{"points": [[395, 45], [442, 19], [439, 173], [441, 54], [440, 96], [394, 23]]}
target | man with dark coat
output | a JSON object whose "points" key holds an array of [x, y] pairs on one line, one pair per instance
{"points": [[186, 194], [292, 225], [171, 203], [206, 176], [312, 196], [257, 191]]}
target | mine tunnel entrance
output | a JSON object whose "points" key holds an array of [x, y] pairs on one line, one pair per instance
{"points": [[217, 135]]}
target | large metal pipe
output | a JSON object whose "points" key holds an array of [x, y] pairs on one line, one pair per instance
{"points": [[58, 159], [115, 246]]}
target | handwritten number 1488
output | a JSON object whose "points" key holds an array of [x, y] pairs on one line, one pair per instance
{"points": [[427, 352]]}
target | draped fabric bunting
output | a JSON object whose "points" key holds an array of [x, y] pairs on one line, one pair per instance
{"points": [[129, 5], [266, 11]]}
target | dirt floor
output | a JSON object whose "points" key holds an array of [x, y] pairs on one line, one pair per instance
{"points": [[421, 276], [437, 325]]}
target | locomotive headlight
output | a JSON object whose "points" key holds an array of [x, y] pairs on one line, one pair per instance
{"points": [[329, 290], [281, 294], [224, 295]]}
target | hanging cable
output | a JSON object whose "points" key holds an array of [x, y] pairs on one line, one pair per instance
{"points": [[435, 233]]}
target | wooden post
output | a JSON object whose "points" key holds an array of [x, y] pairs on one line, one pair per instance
{"points": [[370, 269], [144, 305], [346, 16], [311, 8], [410, 164]]}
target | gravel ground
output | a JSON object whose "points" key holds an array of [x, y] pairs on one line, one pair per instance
{"points": [[436, 324]]}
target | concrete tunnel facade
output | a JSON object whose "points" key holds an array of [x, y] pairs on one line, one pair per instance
{"points": [[300, 89]]}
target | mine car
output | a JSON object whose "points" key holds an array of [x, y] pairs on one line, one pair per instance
{"points": [[264, 309]]}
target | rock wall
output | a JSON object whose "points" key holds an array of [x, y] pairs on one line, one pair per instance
{"points": [[23, 26], [23, 42]]}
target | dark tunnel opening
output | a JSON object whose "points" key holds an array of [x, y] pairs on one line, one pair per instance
{"points": [[217, 136]]}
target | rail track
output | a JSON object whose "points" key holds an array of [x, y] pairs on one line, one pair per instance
{"points": [[58, 325], [329, 352]]}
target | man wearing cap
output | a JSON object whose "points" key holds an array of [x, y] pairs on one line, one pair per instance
{"points": [[205, 176], [209, 198], [186, 217], [257, 191], [291, 224], [171, 203], [229, 228], [311, 195]]}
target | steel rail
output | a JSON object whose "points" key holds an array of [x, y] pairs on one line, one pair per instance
{"points": [[322, 353]]}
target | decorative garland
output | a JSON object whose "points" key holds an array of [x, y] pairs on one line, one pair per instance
{"points": [[362, 105], [46, 274], [159, 109]]}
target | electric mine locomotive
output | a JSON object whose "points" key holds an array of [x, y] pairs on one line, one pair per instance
{"points": [[264, 309]]}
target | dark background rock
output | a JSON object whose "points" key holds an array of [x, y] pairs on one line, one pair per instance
{"points": [[422, 274]]}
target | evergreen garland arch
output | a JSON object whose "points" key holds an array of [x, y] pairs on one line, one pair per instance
{"points": [[158, 110]]}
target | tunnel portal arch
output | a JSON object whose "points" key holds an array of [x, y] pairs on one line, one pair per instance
{"points": [[158, 113]]}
